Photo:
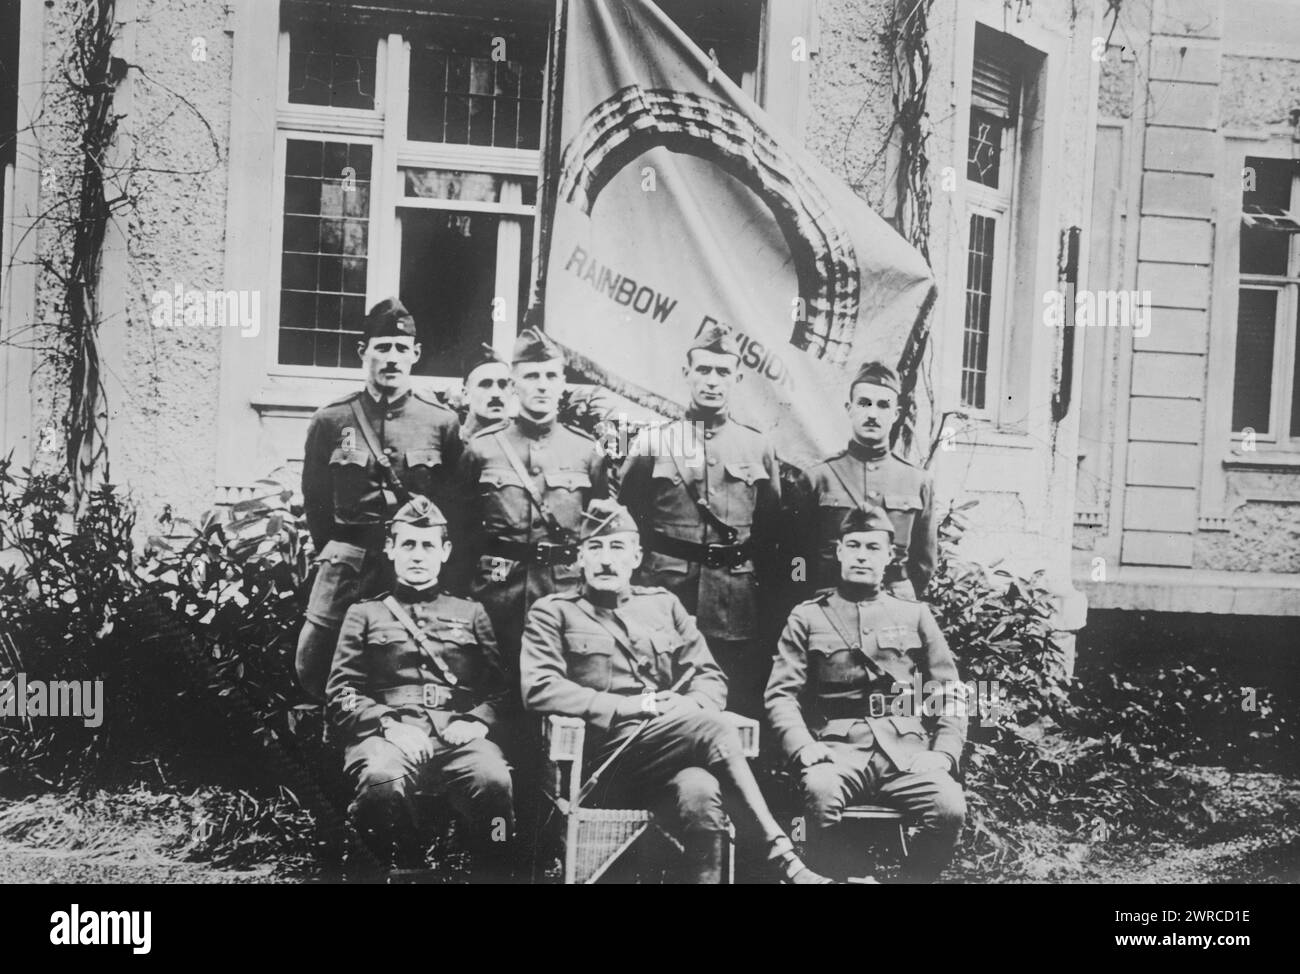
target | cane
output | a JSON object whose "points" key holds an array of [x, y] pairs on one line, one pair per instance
{"points": [[590, 784]]}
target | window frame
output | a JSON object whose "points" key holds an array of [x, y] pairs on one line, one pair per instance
{"points": [[1286, 332], [1001, 204], [384, 128]]}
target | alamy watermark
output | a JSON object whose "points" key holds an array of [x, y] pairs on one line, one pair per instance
{"points": [[25, 699], [182, 308], [1098, 309], [620, 437]]}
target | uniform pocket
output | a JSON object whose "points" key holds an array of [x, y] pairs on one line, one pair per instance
{"points": [[665, 469], [590, 660], [494, 478], [748, 473], [423, 458], [343, 458], [898, 639], [568, 479], [657, 563]]}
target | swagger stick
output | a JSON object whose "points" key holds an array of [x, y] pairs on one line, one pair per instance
{"points": [[590, 784]]}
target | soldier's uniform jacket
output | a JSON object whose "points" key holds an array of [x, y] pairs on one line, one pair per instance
{"points": [[821, 685], [566, 467], [734, 469], [346, 495], [848, 480], [379, 669], [578, 659]]}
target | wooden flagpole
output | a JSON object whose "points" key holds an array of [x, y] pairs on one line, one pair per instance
{"points": [[536, 315]]}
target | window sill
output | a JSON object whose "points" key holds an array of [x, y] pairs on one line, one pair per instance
{"points": [[1287, 461], [980, 433]]}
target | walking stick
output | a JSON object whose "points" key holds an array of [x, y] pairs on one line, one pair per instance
{"points": [[590, 784]]}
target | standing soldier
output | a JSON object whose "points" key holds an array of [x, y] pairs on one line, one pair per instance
{"points": [[524, 485], [612, 653], [487, 385], [414, 690], [843, 701], [867, 474], [706, 492], [366, 454]]}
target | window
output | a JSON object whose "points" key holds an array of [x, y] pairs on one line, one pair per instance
{"points": [[991, 155], [8, 115], [1266, 379], [409, 146]]}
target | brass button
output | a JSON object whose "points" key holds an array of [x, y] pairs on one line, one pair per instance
{"points": [[713, 461]]}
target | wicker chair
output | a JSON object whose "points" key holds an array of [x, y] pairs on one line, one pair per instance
{"points": [[595, 839]]}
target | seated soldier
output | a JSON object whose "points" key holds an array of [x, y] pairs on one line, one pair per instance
{"points": [[414, 690], [837, 699], [609, 653]]}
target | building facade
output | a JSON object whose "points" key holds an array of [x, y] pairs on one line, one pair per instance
{"points": [[1188, 495], [312, 157]]}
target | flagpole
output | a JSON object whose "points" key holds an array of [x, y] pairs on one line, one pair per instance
{"points": [[536, 314]]}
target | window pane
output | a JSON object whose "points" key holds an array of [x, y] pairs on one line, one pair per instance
{"points": [[474, 87], [979, 299], [332, 65], [1264, 251], [984, 148], [728, 28], [455, 184], [325, 251], [1295, 382], [448, 281], [1252, 390]]}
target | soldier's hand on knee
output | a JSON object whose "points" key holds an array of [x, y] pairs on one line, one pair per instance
{"points": [[637, 708], [814, 753], [669, 702], [460, 732], [929, 761], [413, 742]]}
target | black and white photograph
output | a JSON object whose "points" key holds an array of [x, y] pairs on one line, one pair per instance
{"points": [[651, 442]]}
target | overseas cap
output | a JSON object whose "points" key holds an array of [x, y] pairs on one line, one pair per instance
{"points": [[485, 355], [715, 338], [866, 519], [605, 517], [388, 319], [534, 346], [419, 512], [878, 374]]}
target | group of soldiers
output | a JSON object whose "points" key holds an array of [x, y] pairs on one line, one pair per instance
{"points": [[471, 577]]}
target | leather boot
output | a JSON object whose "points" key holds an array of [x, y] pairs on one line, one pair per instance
{"points": [[790, 869], [702, 854]]}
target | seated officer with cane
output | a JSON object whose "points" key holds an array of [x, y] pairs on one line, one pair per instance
{"points": [[414, 691], [838, 699], [630, 661]]}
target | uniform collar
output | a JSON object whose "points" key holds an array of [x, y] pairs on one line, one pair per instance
{"points": [[397, 401], [860, 452], [532, 428], [857, 594], [710, 420], [405, 593], [606, 600]]}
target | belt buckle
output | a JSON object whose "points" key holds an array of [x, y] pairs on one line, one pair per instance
{"points": [[715, 555], [436, 696], [876, 701]]}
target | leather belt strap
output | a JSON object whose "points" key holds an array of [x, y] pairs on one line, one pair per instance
{"points": [[709, 555], [539, 553]]}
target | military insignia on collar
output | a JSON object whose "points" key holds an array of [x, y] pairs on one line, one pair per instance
{"points": [[348, 439]]}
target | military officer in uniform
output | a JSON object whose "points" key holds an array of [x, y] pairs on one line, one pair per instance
{"points": [[706, 492], [365, 455], [524, 484], [615, 655], [414, 691], [487, 388], [842, 699], [867, 473]]}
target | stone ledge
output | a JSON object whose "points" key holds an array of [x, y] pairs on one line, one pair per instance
{"points": [[1193, 590]]}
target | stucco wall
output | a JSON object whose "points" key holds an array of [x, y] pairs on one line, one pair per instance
{"points": [[161, 385]]}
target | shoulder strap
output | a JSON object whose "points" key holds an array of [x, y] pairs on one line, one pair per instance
{"points": [[725, 530], [553, 528], [857, 499], [872, 666], [621, 639], [372, 444], [395, 607]]}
